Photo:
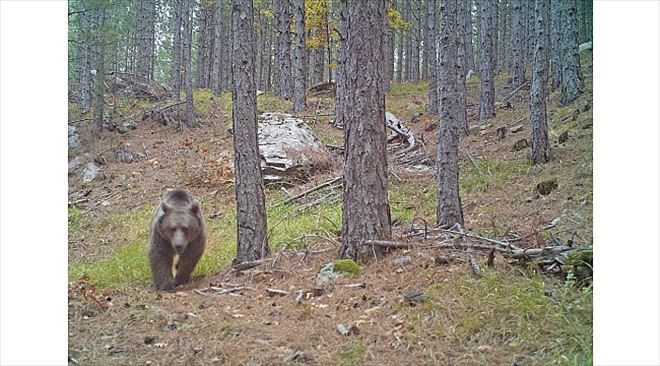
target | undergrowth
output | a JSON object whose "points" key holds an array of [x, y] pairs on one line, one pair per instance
{"points": [[503, 309], [128, 264]]}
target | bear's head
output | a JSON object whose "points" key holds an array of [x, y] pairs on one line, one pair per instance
{"points": [[180, 224]]}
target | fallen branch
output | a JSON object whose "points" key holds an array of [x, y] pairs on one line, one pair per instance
{"points": [[101, 201], [501, 243], [386, 244], [474, 163], [250, 264], [313, 189], [508, 96]]}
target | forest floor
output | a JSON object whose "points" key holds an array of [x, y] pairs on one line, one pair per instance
{"points": [[510, 315]]}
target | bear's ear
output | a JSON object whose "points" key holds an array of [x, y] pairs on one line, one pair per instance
{"points": [[195, 207], [166, 209]]}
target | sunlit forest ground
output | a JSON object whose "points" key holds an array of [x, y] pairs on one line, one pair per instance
{"points": [[511, 315]]}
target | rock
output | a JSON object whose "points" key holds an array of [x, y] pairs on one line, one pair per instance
{"points": [[402, 261], [327, 274], [74, 138], [516, 128], [335, 270], [563, 137], [74, 163], [89, 173], [341, 329], [442, 260], [287, 145], [128, 125], [123, 154], [134, 85], [586, 46], [415, 117], [485, 126], [415, 297], [520, 144], [587, 125]]}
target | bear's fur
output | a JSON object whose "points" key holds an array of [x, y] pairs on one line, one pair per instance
{"points": [[177, 228]]}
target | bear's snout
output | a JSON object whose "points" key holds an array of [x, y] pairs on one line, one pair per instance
{"points": [[179, 241]]}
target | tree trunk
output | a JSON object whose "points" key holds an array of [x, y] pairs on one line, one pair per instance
{"points": [[555, 42], [452, 108], [494, 26], [540, 149], [365, 203], [486, 66], [431, 5], [187, 67], [415, 35], [252, 242], [300, 79], [469, 33], [502, 21], [176, 51], [99, 79], [571, 79], [201, 46], [517, 44], [145, 32], [399, 56], [217, 48], [85, 59], [283, 50]]}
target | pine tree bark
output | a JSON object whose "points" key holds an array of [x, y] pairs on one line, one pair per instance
{"points": [[469, 33], [217, 48], [283, 86], [431, 5], [252, 242], [399, 56], [99, 79], [555, 42], [571, 79], [540, 146], [176, 51], [201, 45], [517, 44], [186, 60], [365, 202], [300, 77], [486, 65], [85, 59], [452, 110]]}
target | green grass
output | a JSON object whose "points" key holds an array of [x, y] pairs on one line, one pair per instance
{"points": [[494, 174], [411, 201], [128, 264], [352, 356], [407, 98], [503, 310], [269, 102]]}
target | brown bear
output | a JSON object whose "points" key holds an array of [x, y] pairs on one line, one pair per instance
{"points": [[177, 228]]}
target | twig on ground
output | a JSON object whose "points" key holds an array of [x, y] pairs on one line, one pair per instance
{"points": [[386, 244], [313, 189]]}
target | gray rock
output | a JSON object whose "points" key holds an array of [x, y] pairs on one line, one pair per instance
{"points": [[402, 261], [74, 138], [327, 274], [74, 163], [341, 329], [286, 144], [516, 128], [130, 125], [89, 173]]}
